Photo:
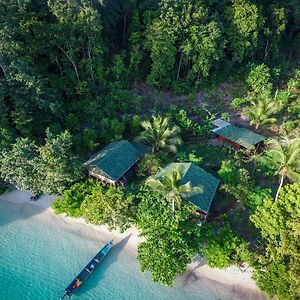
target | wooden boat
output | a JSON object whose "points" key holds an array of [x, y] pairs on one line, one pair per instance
{"points": [[86, 272]]}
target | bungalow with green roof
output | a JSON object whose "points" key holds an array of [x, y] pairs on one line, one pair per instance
{"points": [[204, 185], [236, 136], [114, 163]]}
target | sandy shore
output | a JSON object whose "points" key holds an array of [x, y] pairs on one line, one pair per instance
{"points": [[233, 277]]}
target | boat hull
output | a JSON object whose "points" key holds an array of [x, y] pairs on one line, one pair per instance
{"points": [[87, 270]]}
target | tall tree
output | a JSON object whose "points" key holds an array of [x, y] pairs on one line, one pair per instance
{"points": [[17, 165], [261, 112], [169, 185], [56, 165], [160, 134], [284, 156], [171, 243], [243, 23], [279, 268]]}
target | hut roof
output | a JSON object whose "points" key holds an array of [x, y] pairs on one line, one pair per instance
{"points": [[204, 185], [219, 123], [241, 136], [115, 159]]}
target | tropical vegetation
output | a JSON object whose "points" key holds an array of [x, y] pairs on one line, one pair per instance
{"points": [[76, 75], [160, 135]]}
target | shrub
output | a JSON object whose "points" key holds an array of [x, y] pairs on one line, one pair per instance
{"points": [[223, 248], [111, 129], [188, 126], [259, 78], [239, 102], [268, 281], [89, 138], [149, 165], [133, 124], [189, 157], [73, 197], [236, 180], [257, 196], [108, 205], [225, 116]]}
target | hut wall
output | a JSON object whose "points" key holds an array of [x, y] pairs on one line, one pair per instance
{"points": [[102, 178], [234, 145]]}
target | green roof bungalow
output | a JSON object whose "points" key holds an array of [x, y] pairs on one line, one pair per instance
{"points": [[116, 162], [204, 185], [237, 137]]}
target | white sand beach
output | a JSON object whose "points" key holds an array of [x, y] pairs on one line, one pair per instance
{"points": [[239, 281]]}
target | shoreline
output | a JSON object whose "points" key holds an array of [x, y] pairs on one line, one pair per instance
{"points": [[232, 277]]}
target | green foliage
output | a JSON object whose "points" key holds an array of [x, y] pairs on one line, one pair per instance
{"points": [[259, 78], [110, 130], [223, 248], [188, 126], [133, 125], [108, 205], [278, 222], [261, 111], [171, 243], [17, 165], [239, 102], [243, 23], [235, 180], [148, 165], [160, 41], [160, 134], [169, 185], [189, 157], [46, 169], [56, 166], [283, 156], [89, 139], [269, 283], [73, 197], [257, 196]]}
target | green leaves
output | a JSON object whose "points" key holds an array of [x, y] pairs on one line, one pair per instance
{"points": [[222, 247], [235, 180], [110, 206], [46, 169], [73, 197], [279, 225], [56, 166], [259, 78], [243, 23], [160, 135], [170, 242], [17, 165], [284, 157]]}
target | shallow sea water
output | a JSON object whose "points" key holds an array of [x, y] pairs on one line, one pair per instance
{"points": [[38, 259]]}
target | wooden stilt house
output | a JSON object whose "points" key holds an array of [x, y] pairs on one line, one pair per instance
{"points": [[116, 162]]}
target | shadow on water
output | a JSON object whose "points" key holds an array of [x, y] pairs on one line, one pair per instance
{"points": [[100, 271]]}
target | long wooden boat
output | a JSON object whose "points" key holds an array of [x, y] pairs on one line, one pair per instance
{"points": [[86, 272]]}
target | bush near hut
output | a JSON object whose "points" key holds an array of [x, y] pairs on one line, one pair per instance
{"points": [[72, 198], [109, 205]]}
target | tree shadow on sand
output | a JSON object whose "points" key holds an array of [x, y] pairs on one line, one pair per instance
{"points": [[100, 270], [16, 205]]}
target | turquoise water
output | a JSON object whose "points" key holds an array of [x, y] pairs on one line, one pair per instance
{"points": [[38, 259]]}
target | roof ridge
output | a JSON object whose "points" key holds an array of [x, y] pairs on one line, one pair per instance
{"points": [[121, 142], [96, 157]]}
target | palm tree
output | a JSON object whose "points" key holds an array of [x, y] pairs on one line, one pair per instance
{"points": [[160, 135], [169, 184], [260, 112], [284, 155]]}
